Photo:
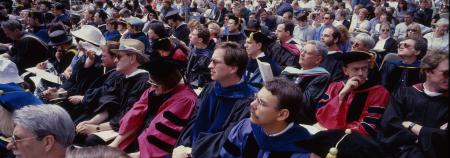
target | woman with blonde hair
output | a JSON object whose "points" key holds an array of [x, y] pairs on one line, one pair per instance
{"points": [[415, 32]]}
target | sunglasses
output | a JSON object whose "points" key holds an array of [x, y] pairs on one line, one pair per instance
{"points": [[411, 30], [384, 30], [405, 45]]}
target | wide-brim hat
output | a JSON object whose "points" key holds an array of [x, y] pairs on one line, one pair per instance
{"points": [[131, 46], [90, 34], [59, 37], [9, 72], [355, 56]]}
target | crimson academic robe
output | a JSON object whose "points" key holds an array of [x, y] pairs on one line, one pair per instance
{"points": [[412, 104], [360, 111], [160, 133]]}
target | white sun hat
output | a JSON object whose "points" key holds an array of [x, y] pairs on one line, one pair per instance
{"points": [[9, 72], [90, 34]]}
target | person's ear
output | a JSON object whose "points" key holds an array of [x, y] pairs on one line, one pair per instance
{"points": [[234, 69], [48, 142], [133, 58], [283, 115]]}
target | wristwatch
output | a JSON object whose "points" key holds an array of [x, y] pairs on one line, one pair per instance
{"points": [[411, 126], [98, 128]]}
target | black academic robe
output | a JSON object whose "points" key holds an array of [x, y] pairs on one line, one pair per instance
{"points": [[333, 65], [121, 97], [97, 90], [412, 104], [28, 51], [395, 75], [208, 144], [237, 37], [313, 86], [282, 56], [182, 33], [81, 77]]}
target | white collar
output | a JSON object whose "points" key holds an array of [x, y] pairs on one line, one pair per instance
{"points": [[283, 131], [138, 71], [430, 93], [260, 55]]}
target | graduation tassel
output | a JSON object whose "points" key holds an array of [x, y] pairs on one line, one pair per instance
{"points": [[334, 150]]}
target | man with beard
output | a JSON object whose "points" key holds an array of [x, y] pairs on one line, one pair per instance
{"points": [[332, 63]]}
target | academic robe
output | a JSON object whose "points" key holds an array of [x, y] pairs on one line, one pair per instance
{"points": [[282, 55], [252, 74], [28, 51], [237, 37], [81, 77], [120, 97], [197, 71], [165, 121], [249, 140], [395, 75], [182, 33], [333, 64], [97, 89], [218, 109], [360, 111], [313, 83], [431, 112]]}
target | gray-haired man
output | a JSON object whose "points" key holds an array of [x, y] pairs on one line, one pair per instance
{"points": [[41, 131]]}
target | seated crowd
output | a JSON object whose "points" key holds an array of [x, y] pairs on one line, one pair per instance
{"points": [[225, 78]]}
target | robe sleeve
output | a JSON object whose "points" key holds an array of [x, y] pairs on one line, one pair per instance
{"points": [[209, 144], [236, 140], [394, 134], [134, 118], [369, 119], [314, 92], [159, 138], [434, 141]]}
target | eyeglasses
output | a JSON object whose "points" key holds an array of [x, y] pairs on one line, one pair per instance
{"points": [[258, 100], [215, 61], [384, 30], [411, 30], [14, 140], [405, 45]]}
